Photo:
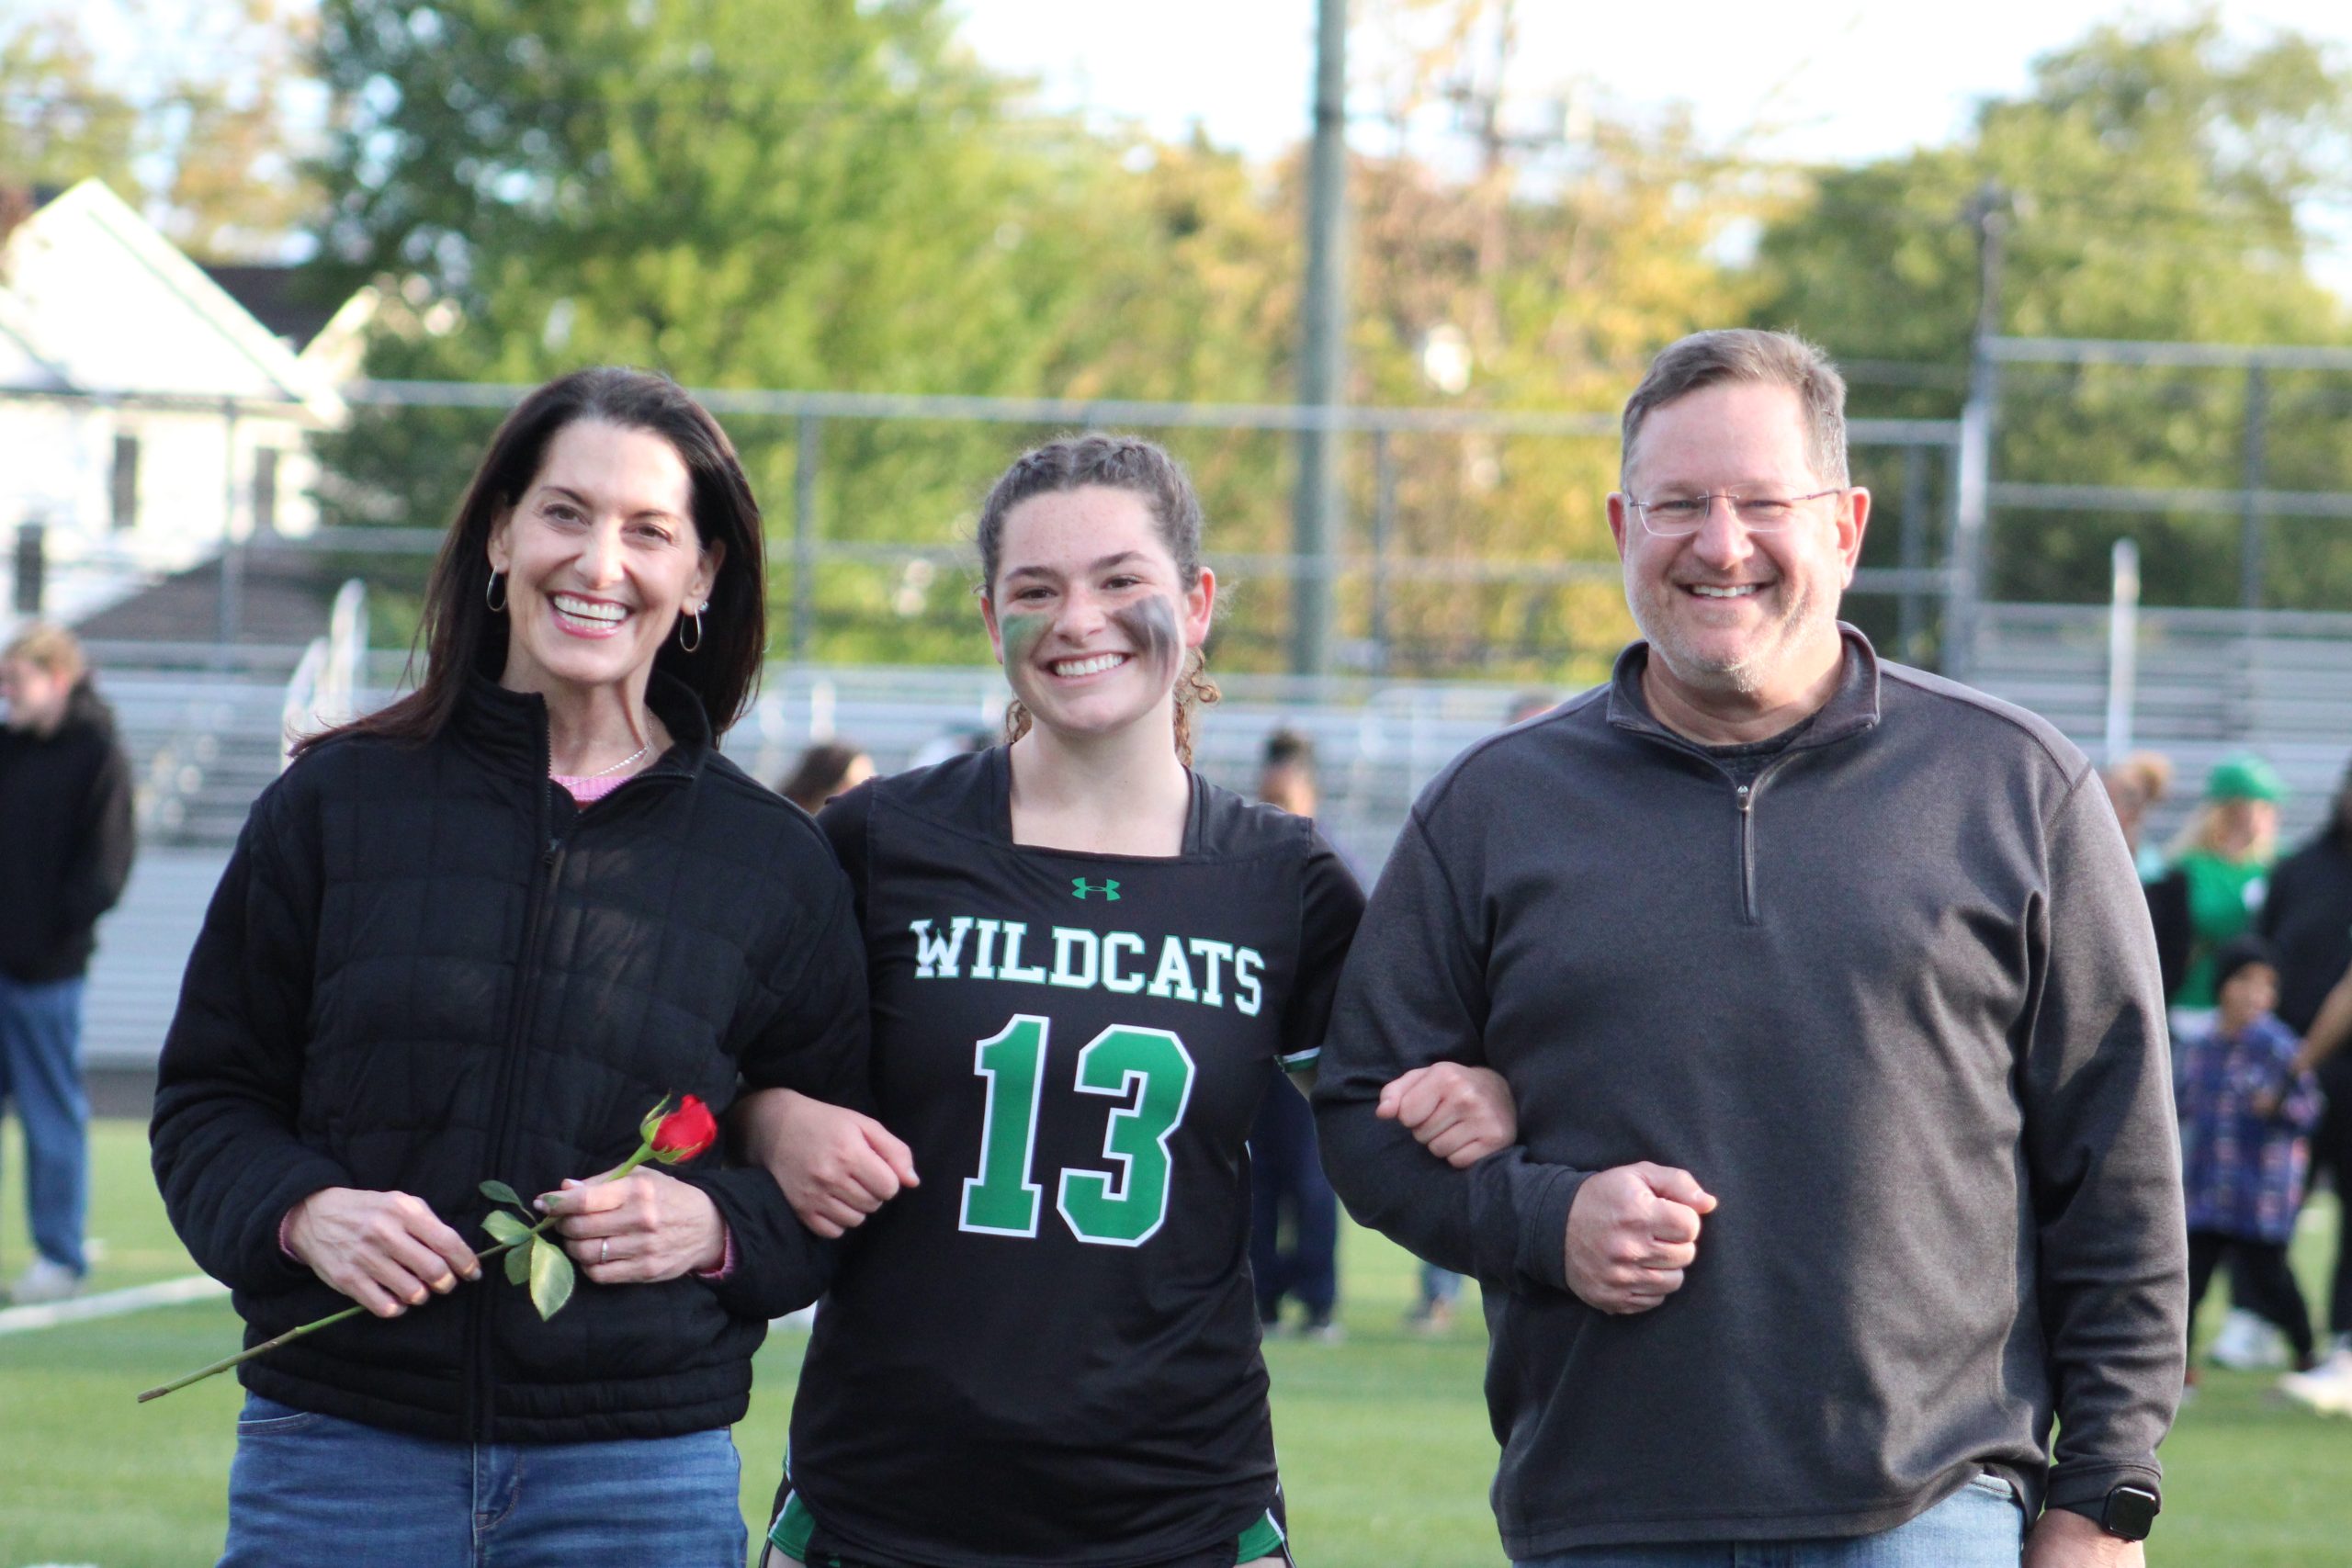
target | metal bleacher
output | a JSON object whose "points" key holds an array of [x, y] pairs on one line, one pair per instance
{"points": [[2210, 683]]}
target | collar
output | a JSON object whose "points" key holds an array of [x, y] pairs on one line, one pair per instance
{"points": [[1852, 707], [999, 776], [510, 729]]}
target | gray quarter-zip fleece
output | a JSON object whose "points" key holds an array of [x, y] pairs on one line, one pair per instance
{"points": [[1895, 1003]]}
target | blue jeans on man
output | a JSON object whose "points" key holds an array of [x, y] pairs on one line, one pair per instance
{"points": [[1980, 1525], [41, 1072]]}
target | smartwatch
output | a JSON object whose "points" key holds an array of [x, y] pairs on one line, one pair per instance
{"points": [[2129, 1512]]}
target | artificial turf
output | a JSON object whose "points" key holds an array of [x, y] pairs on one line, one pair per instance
{"points": [[1384, 1438]]}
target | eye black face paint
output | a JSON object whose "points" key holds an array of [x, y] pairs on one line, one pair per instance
{"points": [[1149, 625], [1020, 633]]}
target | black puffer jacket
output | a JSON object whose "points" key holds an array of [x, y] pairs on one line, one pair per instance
{"points": [[66, 799], [424, 967]]}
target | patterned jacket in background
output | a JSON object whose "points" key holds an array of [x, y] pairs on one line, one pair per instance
{"points": [[2245, 1171]]}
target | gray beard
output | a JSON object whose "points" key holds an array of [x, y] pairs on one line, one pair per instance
{"points": [[1741, 678]]}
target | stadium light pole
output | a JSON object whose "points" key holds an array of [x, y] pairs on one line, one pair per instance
{"points": [[1988, 212], [1322, 367]]}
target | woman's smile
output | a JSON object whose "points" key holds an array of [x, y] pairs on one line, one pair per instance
{"points": [[582, 617]]}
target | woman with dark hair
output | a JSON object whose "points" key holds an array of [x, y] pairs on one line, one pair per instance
{"points": [[1082, 957], [825, 770], [478, 934]]}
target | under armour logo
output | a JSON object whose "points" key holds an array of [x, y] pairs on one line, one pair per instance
{"points": [[1080, 887]]}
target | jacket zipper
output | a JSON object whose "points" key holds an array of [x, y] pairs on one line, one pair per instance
{"points": [[1745, 795], [518, 1031], [1751, 910]]}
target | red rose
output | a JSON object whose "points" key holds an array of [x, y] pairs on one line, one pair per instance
{"points": [[685, 1132]]}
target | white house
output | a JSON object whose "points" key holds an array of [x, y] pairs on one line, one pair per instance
{"points": [[146, 415]]}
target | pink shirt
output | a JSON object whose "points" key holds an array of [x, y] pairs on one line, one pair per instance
{"points": [[587, 792]]}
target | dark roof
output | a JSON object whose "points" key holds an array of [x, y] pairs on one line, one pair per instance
{"points": [[279, 297], [285, 597]]}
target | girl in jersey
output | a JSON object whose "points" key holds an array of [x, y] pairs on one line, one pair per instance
{"points": [[1081, 957]]}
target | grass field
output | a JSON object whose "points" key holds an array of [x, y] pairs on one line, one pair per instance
{"points": [[1385, 1450]]}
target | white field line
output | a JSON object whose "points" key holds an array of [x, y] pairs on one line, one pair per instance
{"points": [[110, 1304]]}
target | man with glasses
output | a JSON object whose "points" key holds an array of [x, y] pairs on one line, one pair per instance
{"points": [[1830, 1002]]}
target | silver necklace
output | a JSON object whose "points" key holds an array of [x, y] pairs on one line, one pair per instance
{"points": [[617, 767]]}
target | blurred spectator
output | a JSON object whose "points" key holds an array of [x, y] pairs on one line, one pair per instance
{"points": [[2221, 868], [1441, 1292], [2247, 1112], [2308, 918], [1528, 704], [1286, 1181], [65, 796], [2133, 785], [1286, 776], [954, 743], [823, 772]]}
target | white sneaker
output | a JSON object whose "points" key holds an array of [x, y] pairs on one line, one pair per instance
{"points": [[2247, 1343], [43, 1280], [2326, 1388]]}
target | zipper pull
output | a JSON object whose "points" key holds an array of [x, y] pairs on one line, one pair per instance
{"points": [[1744, 794]]}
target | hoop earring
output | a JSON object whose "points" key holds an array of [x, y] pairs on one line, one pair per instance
{"points": [[489, 595], [683, 646]]}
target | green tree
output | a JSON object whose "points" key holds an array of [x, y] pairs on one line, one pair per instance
{"points": [[2159, 181], [746, 193], [196, 131], [1551, 267], [830, 195], [60, 123]]}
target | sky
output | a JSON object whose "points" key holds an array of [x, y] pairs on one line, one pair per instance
{"points": [[1832, 79]]}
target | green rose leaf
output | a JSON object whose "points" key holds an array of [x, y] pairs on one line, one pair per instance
{"points": [[551, 1279], [518, 1262], [504, 1227], [499, 1192]]}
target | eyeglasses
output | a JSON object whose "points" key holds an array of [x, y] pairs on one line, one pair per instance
{"points": [[1685, 515]]}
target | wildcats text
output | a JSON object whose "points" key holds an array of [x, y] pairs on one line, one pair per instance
{"points": [[1213, 973]]}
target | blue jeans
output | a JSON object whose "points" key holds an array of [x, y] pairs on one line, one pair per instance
{"points": [[1980, 1525], [307, 1489], [40, 1070]]}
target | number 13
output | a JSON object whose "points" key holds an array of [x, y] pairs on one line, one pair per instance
{"points": [[1122, 1208]]}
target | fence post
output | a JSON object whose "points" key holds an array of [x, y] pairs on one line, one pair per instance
{"points": [[232, 603], [2250, 524], [32, 565], [1384, 523], [2122, 647], [1911, 624], [807, 433], [1971, 515]]}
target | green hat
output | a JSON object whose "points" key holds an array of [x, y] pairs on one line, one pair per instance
{"points": [[2245, 777]]}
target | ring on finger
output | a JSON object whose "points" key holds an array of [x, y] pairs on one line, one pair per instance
{"points": [[604, 1250]]}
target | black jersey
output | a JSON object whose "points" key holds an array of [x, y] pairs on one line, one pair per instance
{"points": [[1050, 1349]]}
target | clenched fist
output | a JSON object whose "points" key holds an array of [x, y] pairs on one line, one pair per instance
{"points": [[1632, 1232]]}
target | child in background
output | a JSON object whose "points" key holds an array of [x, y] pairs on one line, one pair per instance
{"points": [[2245, 1122]]}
